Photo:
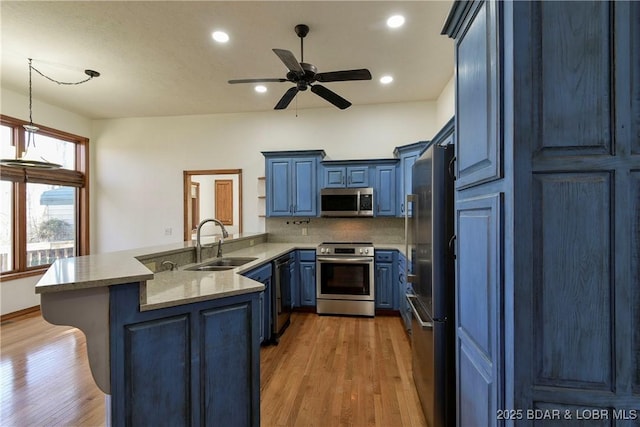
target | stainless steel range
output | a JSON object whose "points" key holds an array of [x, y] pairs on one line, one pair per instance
{"points": [[345, 278]]}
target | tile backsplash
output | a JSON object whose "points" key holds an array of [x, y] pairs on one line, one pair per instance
{"points": [[312, 230]]}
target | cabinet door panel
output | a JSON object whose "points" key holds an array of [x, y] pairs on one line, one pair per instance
{"points": [[478, 308], [308, 283], [227, 374], [279, 194], [334, 177], [576, 60], [406, 165], [357, 176], [573, 265], [305, 187], [157, 371], [385, 198], [635, 278], [478, 159], [384, 285]]}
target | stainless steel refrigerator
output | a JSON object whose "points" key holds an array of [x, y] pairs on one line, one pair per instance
{"points": [[430, 231]]}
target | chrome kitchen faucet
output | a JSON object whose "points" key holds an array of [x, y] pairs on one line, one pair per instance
{"points": [[225, 234]]}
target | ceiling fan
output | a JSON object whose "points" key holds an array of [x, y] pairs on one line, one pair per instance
{"points": [[306, 75]]}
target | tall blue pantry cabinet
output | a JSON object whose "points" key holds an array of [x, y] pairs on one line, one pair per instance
{"points": [[547, 211]]}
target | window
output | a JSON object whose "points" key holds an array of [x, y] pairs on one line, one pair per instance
{"points": [[43, 212]]}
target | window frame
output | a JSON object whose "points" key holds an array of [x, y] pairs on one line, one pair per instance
{"points": [[20, 176]]}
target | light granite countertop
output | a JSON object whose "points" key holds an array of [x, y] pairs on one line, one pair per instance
{"points": [[167, 288]]}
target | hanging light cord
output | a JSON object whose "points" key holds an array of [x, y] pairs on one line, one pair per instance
{"points": [[30, 97], [90, 73]]}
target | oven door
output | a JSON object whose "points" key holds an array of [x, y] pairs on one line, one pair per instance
{"points": [[345, 278]]}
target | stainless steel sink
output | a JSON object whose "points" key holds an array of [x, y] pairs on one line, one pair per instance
{"points": [[218, 264]]}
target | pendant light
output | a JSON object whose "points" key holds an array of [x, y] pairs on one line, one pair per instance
{"points": [[31, 129]]}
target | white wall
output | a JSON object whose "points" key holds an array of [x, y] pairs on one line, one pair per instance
{"points": [[446, 103], [16, 105], [19, 294], [138, 162]]}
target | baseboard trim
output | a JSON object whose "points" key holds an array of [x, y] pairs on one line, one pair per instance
{"points": [[19, 313]]}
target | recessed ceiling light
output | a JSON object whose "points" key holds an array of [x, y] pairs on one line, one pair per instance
{"points": [[395, 21], [260, 89], [385, 80], [220, 36]]}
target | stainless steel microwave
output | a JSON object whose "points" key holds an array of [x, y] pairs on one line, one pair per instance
{"points": [[346, 202]]}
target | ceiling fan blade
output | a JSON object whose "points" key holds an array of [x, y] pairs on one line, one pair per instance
{"points": [[341, 76], [331, 96], [256, 80], [286, 98], [289, 60]]}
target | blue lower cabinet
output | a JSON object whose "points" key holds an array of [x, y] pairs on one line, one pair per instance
{"points": [[194, 364], [386, 280], [263, 275], [307, 283], [294, 280], [306, 278]]}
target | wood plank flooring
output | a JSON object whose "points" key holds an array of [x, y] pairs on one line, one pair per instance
{"points": [[340, 371], [326, 371]]}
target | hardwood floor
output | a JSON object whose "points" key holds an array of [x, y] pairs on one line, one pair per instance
{"points": [[326, 371]]}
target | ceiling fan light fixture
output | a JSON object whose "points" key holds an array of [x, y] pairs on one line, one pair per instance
{"points": [[220, 36], [305, 76], [260, 88], [395, 21], [385, 80]]}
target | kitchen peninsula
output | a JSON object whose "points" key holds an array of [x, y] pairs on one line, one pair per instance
{"points": [[174, 347]]}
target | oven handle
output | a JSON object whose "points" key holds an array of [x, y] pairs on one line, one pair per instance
{"points": [[345, 260]]}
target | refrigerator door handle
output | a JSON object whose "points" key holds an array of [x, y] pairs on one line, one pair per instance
{"points": [[422, 323], [413, 199]]}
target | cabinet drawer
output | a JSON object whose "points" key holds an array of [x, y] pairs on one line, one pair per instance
{"points": [[307, 255], [384, 256]]}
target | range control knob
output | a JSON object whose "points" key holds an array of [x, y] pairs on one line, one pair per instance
{"points": [[366, 251]]}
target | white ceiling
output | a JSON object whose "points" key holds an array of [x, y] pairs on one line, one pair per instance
{"points": [[157, 58]]}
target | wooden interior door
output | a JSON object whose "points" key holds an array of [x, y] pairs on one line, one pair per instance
{"points": [[224, 200], [195, 205]]}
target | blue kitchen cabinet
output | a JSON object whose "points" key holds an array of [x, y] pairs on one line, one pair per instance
{"points": [[408, 154], [356, 176], [294, 279], [166, 363], [292, 182], [263, 274], [385, 280], [307, 274], [385, 190]]}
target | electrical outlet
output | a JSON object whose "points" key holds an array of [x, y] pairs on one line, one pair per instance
{"points": [[168, 231], [304, 231]]}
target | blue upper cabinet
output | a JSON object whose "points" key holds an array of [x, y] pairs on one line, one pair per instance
{"points": [[385, 189], [292, 182], [341, 175], [408, 154]]}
